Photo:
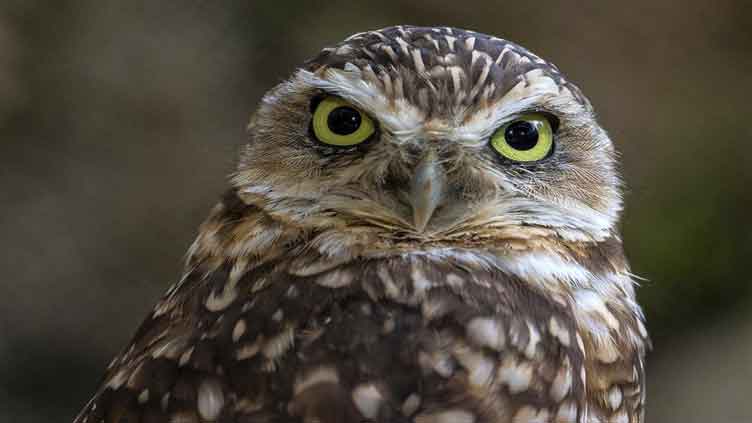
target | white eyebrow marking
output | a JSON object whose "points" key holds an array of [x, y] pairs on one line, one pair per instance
{"points": [[450, 42], [455, 72], [483, 74], [504, 51], [403, 46], [395, 113], [420, 67]]}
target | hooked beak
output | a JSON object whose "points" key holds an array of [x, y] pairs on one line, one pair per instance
{"points": [[426, 189]]}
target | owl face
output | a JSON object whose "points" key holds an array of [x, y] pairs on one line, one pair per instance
{"points": [[431, 134]]}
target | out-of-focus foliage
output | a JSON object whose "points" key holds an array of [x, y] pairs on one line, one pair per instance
{"points": [[120, 119]]}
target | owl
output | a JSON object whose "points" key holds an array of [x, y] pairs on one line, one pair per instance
{"points": [[422, 228]]}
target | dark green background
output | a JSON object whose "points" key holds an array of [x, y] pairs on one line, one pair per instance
{"points": [[120, 120]]}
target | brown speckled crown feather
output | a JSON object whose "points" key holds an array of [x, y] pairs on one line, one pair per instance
{"points": [[446, 67]]}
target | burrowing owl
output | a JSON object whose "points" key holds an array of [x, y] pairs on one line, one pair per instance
{"points": [[422, 228]]}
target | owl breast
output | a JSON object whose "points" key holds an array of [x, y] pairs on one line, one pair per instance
{"points": [[412, 339], [396, 339]]}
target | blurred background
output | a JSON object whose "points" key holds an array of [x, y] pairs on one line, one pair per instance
{"points": [[120, 119]]}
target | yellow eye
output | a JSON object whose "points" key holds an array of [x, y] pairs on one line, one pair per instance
{"points": [[527, 139], [339, 123]]}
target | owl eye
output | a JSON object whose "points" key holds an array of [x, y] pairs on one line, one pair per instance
{"points": [[526, 139], [339, 123]]}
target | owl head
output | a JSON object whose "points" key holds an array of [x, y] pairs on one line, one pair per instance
{"points": [[431, 135]]}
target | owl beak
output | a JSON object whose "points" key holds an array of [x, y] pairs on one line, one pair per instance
{"points": [[426, 189]]}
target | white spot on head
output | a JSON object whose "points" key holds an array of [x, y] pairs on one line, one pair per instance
{"points": [[503, 51], [456, 82], [210, 400], [484, 73], [475, 55], [450, 41], [420, 67], [403, 46]]}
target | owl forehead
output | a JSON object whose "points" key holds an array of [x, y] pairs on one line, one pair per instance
{"points": [[443, 71]]}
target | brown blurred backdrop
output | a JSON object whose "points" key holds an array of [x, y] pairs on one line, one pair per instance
{"points": [[120, 120]]}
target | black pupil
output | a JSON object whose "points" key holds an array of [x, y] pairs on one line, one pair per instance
{"points": [[343, 120], [521, 135]]}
